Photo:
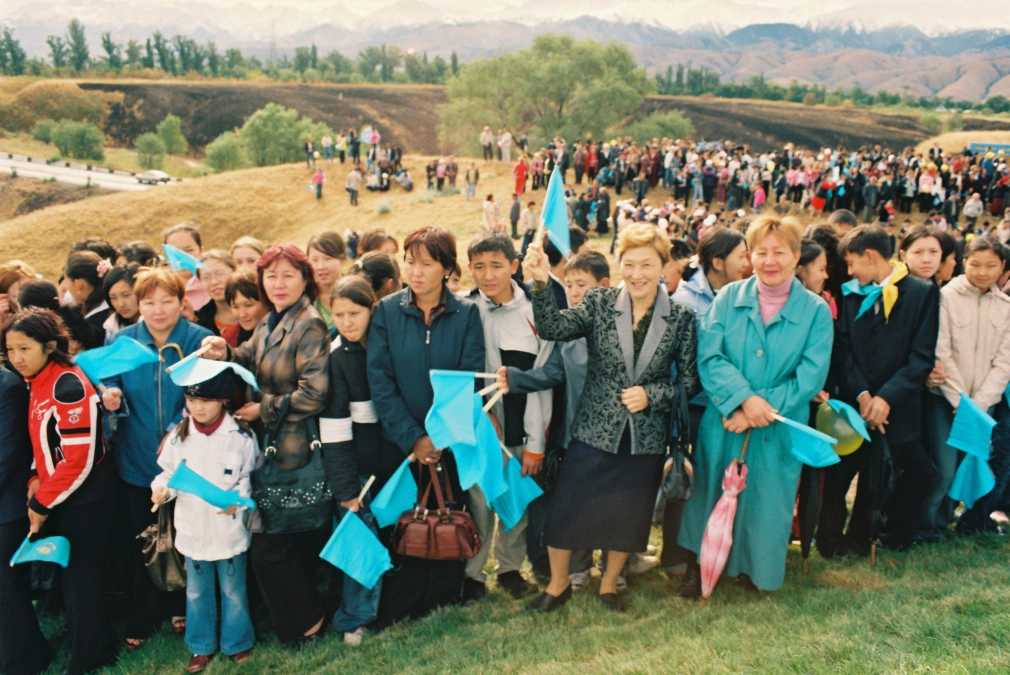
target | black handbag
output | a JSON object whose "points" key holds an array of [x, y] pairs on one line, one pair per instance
{"points": [[295, 500], [164, 564], [677, 483]]}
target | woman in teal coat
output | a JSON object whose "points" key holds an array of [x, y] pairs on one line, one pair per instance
{"points": [[764, 348]]}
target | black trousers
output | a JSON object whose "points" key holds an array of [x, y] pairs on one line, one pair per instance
{"points": [[903, 511], [23, 648], [285, 567], [93, 643], [149, 607]]}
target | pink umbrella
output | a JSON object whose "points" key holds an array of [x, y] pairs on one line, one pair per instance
{"points": [[718, 539]]}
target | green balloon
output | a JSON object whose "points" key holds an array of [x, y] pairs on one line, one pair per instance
{"points": [[833, 423]]}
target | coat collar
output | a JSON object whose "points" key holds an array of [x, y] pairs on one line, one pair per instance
{"points": [[792, 311], [625, 332], [287, 323]]}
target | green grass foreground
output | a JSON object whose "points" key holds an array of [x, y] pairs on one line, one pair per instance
{"points": [[938, 609]]}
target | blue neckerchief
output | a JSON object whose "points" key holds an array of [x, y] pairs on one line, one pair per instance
{"points": [[871, 294]]}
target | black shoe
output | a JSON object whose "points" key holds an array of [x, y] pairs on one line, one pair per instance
{"points": [[744, 582], [515, 585], [612, 601], [690, 588], [548, 603], [473, 592]]}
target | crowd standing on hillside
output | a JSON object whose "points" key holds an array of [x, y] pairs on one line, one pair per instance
{"points": [[727, 317]]}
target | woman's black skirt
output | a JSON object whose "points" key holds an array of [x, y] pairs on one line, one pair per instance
{"points": [[602, 500]]}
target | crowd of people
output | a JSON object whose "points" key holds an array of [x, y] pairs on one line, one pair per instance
{"points": [[722, 314]]}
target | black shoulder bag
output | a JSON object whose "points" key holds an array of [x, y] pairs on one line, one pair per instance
{"points": [[677, 484], [295, 500]]}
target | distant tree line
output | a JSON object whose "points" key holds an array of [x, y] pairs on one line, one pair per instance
{"points": [[701, 81], [179, 55]]}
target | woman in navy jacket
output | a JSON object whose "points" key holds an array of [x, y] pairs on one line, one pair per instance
{"points": [[422, 327]]}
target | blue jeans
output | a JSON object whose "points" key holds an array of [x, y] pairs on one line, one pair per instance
{"points": [[471, 191], [201, 606], [328, 152], [938, 509], [359, 606]]}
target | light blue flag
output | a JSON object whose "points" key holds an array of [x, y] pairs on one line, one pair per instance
{"points": [[973, 480], [449, 421], [355, 550], [180, 260], [555, 213], [810, 446], [972, 429], [972, 433], [122, 356], [399, 494], [471, 463], [493, 481], [48, 549], [851, 416], [192, 371], [522, 490], [186, 480]]}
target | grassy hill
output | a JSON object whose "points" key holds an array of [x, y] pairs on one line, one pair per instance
{"points": [[270, 203]]}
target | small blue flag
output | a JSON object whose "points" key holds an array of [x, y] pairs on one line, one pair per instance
{"points": [[186, 480], [354, 549], [973, 480], [972, 433], [851, 416], [511, 505], [972, 429], [399, 494], [191, 371], [180, 260], [449, 421], [471, 463], [810, 446], [555, 213], [122, 356], [48, 549]]}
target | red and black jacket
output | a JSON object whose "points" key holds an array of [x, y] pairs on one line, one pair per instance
{"points": [[68, 448]]}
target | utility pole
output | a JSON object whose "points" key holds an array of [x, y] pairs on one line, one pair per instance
{"points": [[273, 43]]}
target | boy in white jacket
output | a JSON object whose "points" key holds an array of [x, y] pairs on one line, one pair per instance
{"points": [[223, 451], [511, 340]]}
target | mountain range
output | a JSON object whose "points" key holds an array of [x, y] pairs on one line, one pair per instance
{"points": [[959, 49]]}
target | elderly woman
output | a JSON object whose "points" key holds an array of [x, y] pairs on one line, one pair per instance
{"points": [[422, 327], [289, 354], [763, 349], [607, 488]]}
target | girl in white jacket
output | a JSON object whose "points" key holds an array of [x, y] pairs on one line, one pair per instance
{"points": [[223, 451]]}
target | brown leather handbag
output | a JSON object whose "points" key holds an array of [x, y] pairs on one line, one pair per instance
{"points": [[443, 535]]}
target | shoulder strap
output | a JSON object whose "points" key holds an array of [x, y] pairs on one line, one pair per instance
{"points": [[438, 489], [270, 439]]}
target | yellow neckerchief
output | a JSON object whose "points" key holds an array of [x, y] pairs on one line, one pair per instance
{"points": [[890, 292]]}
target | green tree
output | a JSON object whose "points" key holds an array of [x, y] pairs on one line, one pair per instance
{"points": [[15, 59], [213, 60], [166, 58], [998, 103], [77, 43], [134, 56], [954, 123], [113, 55], [170, 133], [148, 60], [303, 59], [225, 153], [57, 51], [275, 135], [79, 140], [673, 124], [559, 85], [932, 123], [233, 59], [314, 58], [150, 151], [454, 63]]}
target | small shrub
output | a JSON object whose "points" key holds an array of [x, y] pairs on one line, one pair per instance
{"points": [[384, 207], [426, 197], [448, 191], [150, 151], [810, 98], [43, 130], [170, 133], [954, 123], [671, 124], [225, 153], [832, 100], [79, 140], [932, 123]]}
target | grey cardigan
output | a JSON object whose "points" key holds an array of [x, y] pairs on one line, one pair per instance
{"points": [[604, 319]]}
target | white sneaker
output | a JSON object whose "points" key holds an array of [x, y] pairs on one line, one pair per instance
{"points": [[354, 639], [642, 564], [651, 550], [622, 584], [580, 581]]}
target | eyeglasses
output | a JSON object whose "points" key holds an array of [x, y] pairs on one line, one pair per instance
{"points": [[217, 276]]}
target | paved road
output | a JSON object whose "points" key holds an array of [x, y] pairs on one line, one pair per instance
{"points": [[77, 176]]}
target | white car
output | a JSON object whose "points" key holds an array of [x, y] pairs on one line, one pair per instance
{"points": [[153, 177]]}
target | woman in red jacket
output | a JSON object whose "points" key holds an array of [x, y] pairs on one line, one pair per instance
{"points": [[70, 489]]}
